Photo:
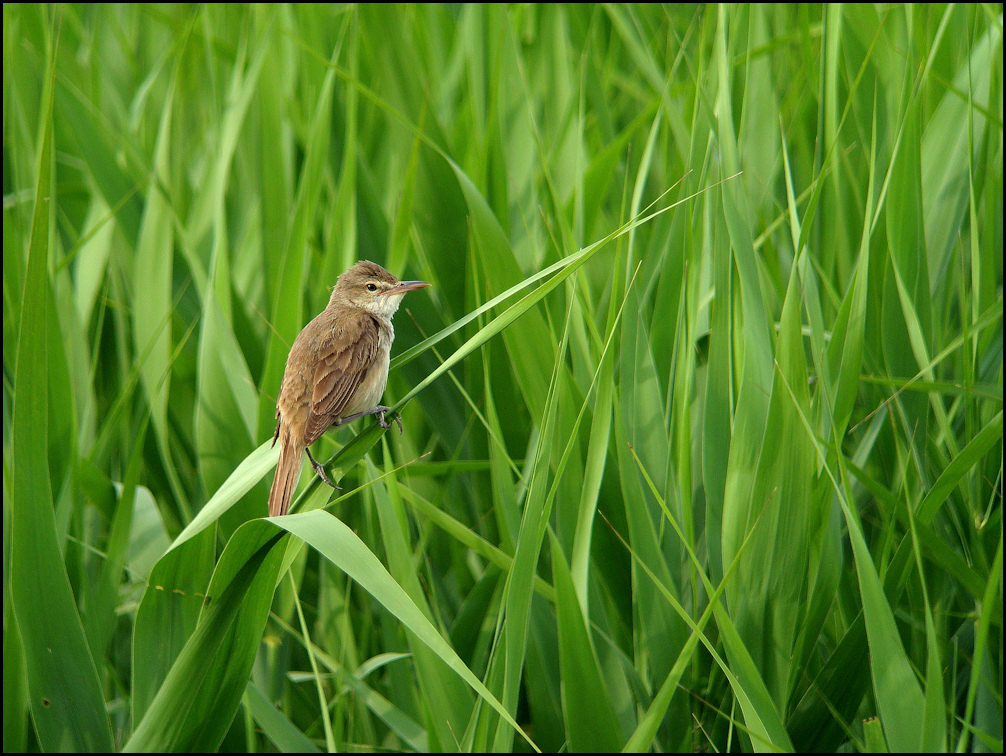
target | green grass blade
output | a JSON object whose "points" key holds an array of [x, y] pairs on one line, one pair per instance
{"points": [[275, 726], [947, 142], [167, 616], [443, 691], [934, 724], [590, 716], [194, 706], [899, 696], [152, 284], [984, 726], [64, 694], [287, 302], [337, 543]]}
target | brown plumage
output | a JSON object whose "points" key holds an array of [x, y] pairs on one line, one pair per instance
{"points": [[336, 371]]}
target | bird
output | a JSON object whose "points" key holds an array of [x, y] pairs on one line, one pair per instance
{"points": [[336, 371]]}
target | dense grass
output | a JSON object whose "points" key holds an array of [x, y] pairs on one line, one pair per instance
{"points": [[703, 414]]}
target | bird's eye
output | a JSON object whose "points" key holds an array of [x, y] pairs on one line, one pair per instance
{"points": [[371, 287]]}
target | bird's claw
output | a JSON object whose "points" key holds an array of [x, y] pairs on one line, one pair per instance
{"points": [[385, 424], [321, 471]]}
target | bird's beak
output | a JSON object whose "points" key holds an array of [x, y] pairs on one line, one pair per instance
{"points": [[405, 286]]}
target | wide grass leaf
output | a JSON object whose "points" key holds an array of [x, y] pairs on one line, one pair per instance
{"points": [[899, 697], [64, 694], [586, 705], [170, 606], [332, 539], [199, 697]]}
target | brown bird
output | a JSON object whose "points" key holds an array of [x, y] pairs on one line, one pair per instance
{"points": [[336, 371]]}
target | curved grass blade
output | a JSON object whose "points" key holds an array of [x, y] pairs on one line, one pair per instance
{"points": [[194, 707], [332, 539]]}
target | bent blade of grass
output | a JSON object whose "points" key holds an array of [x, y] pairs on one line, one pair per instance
{"points": [[404, 726], [169, 608], [561, 270], [333, 540], [560, 267], [400, 723], [167, 616], [199, 697]]}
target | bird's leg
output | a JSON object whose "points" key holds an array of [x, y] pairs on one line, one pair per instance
{"points": [[379, 410], [396, 418], [320, 470]]}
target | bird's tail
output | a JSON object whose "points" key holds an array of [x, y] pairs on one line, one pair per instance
{"points": [[287, 474]]}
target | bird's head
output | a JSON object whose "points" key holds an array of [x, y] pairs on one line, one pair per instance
{"points": [[368, 286]]}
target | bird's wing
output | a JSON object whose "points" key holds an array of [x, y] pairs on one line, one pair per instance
{"points": [[343, 360]]}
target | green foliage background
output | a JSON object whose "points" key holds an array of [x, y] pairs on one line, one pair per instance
{"points": [[703, 413]]}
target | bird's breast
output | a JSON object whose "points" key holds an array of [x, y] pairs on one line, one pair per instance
{"points": [[371, 388]]}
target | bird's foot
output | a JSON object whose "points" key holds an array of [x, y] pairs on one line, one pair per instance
{"points": [[320, 470], [380, 410]]}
